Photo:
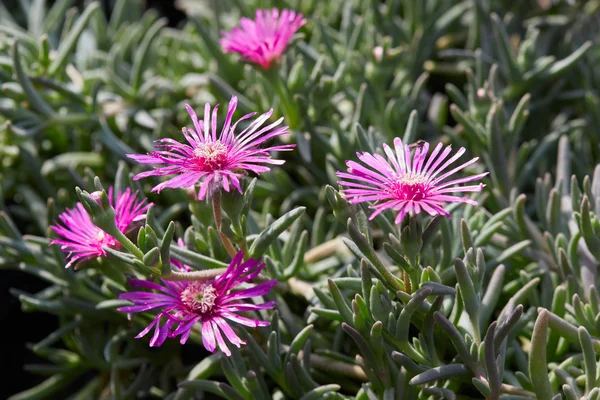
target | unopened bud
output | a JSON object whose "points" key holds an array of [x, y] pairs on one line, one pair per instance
{"points": [[378, 53], [97, 196]]}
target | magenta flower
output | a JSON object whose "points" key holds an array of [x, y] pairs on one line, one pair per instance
{"points": [[213, 304], [214, 160], [264, 39], [407, 183], [82, 240]]}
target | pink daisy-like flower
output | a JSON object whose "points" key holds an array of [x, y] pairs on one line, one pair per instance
{"points": [[82, 240], [214, 160], [213, 304], [263, 40], [406, 183]]}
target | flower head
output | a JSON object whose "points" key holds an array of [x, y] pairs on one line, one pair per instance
{"points": [[82, 240], [264, 39], [406, 183], [214, 160], [213, 304]]}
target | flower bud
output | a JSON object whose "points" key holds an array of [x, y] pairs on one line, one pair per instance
{"points": [[97, 196]]}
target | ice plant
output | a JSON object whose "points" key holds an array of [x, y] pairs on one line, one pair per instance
{"points": [[82, 240], [264, 39], [213, 304], [406, 183], [214, 160]]}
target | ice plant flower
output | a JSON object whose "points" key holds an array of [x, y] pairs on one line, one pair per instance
{"points": [[406, 183], [214, 160], [264, 39], [82, 240], [212, 304]]}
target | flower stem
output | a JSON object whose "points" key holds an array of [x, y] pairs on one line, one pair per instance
{"points": [[413, 277], [242, 246], [293, 285], [216, 203], [194, 275], [206, 274], [407, 283], [290, 110], [128, 244]]}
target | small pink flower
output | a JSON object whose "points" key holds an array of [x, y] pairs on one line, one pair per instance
{"points": [[264, 39], [82, 240], [214, 160], [407, 183], [213, 304]]}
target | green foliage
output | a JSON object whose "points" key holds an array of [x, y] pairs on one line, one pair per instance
{"points": [[499, 301]]}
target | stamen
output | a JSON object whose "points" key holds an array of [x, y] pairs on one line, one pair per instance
{"points": [[104, 239], [199, 297], [210, 156], [409, 187]]}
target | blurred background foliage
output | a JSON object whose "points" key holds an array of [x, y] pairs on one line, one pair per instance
{"points": [[83, 83]]}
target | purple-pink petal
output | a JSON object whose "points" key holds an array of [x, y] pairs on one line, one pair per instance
{"points": [[263, 40], [82, 240], [208, 337], [213, 304], [211, 159], [406, 183]]}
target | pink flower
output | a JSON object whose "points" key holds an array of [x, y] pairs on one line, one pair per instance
{"points": [[214, 160], [265, 39], [213, 304], [407, 183], [82, 240]]}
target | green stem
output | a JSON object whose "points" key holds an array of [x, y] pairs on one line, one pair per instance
{"points": [[217, 213], [128, 244], [293, 285], [290, 109], [367, 250], [242, 245], [407, 282], [414, 279], [194, 275]]}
